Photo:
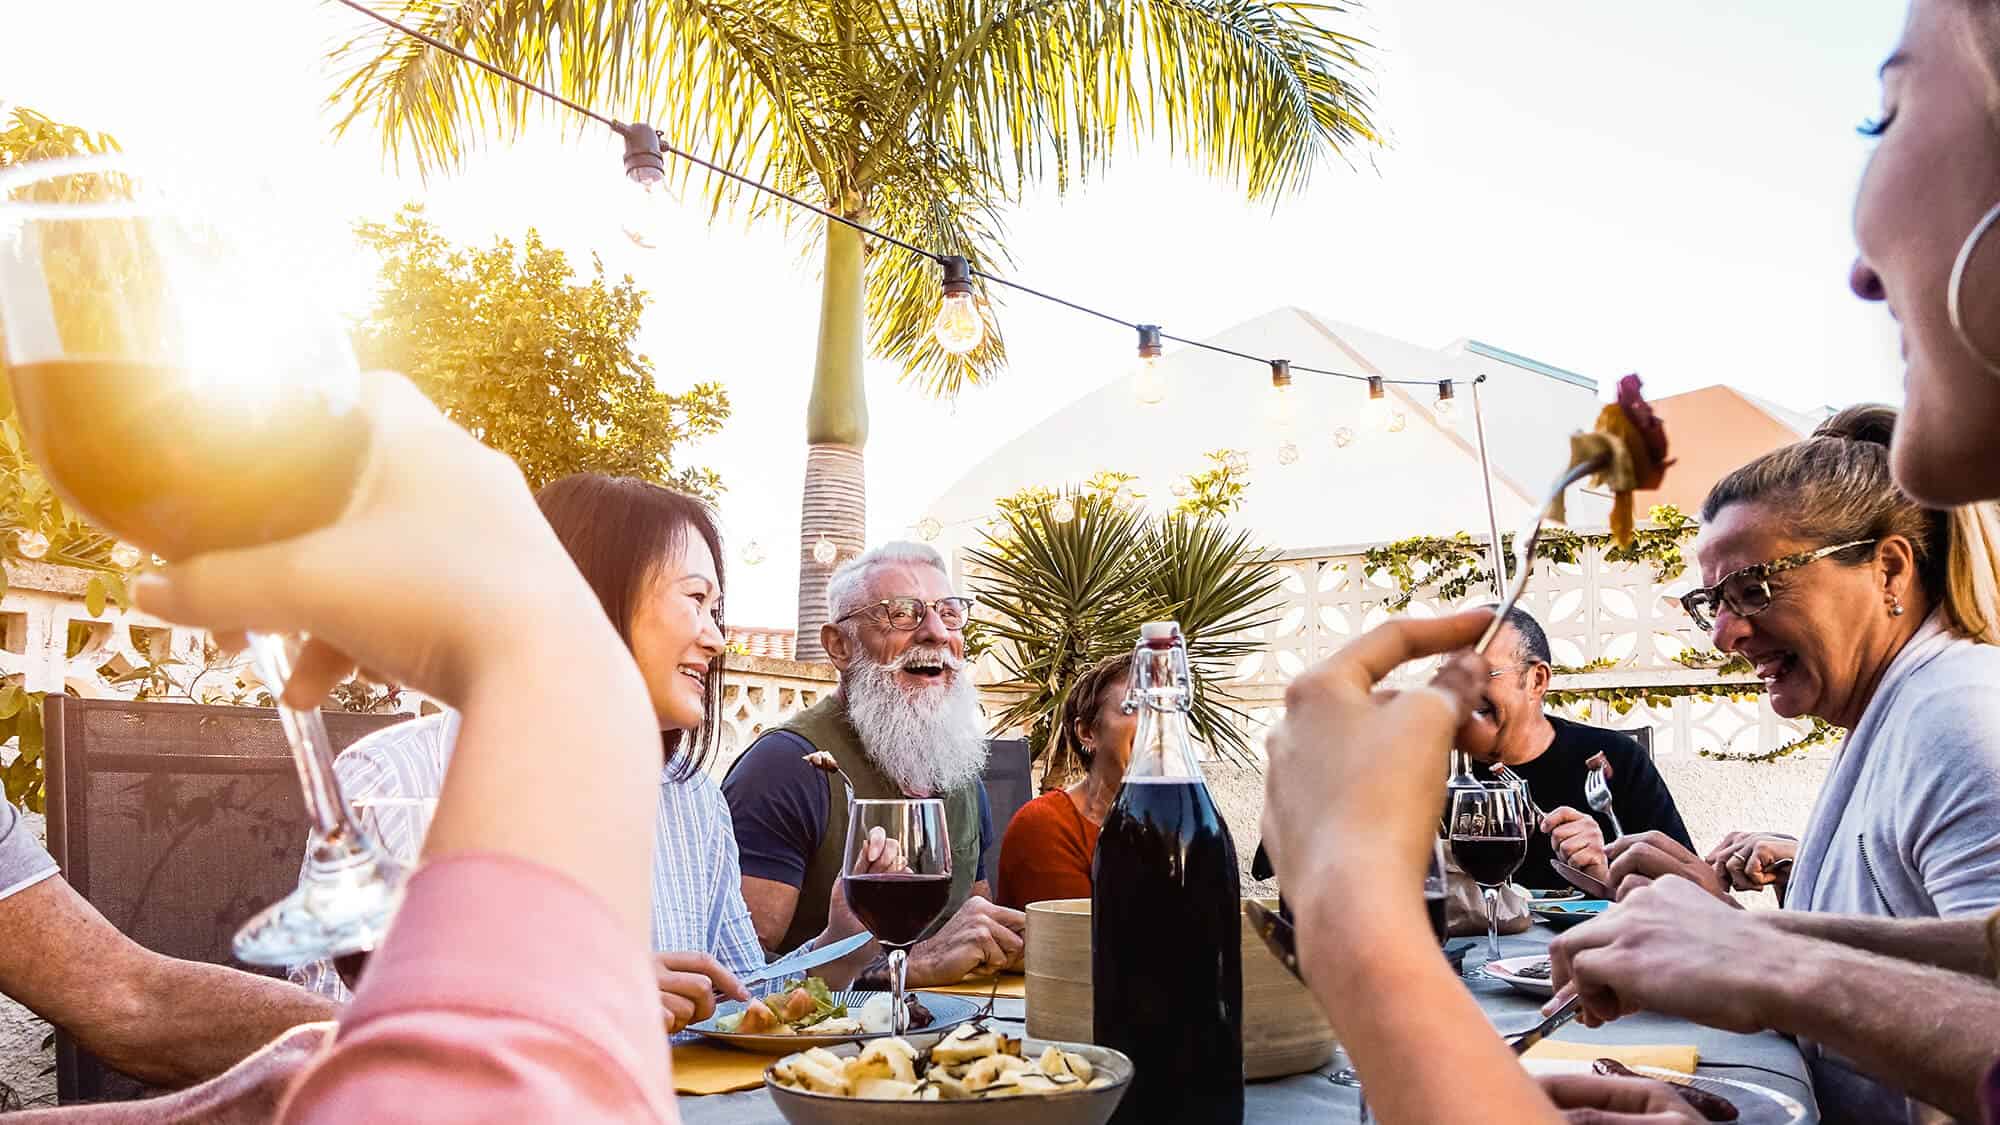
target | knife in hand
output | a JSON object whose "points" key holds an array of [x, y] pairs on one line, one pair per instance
{"points": [[796, 963]]}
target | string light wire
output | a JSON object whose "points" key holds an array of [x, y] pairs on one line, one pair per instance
{"points": [[624, 129]]}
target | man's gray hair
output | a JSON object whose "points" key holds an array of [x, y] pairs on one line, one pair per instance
{"points": [[847, 590]]}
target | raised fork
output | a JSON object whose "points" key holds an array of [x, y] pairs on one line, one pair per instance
{"points": [[1597, 791], [1501, 771]]}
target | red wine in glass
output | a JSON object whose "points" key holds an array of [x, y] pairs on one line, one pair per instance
{"points": [[897, 907], [902, 890], [1489, 860]]}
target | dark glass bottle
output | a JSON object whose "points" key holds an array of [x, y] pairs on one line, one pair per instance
{"points": [[1165, 925]]}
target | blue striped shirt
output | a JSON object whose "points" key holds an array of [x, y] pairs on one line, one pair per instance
{"points": [[697, 887]]}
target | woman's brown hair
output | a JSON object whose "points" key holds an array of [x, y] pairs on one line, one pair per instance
{"points": [[1836, 486], [1079, 710], [620, 531]]}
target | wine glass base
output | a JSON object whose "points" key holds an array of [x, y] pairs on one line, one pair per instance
{"points": [[343, 904]]}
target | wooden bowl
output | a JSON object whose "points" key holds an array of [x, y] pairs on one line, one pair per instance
{"points": [[1283, 1030]]}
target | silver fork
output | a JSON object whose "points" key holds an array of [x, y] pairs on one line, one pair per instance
{"points": [[1501, 771], [1597, 791], [1526, 540]]}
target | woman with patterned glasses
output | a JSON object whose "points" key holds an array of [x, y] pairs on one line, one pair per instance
{"points": [[1858, 607]]}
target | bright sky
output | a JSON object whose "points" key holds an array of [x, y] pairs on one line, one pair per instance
{"points": [[1605, 187]]}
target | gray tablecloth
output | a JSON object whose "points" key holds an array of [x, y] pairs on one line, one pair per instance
{"points": [[1766, 1060]]}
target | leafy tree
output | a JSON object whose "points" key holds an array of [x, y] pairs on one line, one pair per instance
{"points": [[509, 344], [925, 120]]}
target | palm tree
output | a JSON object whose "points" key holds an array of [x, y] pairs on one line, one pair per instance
{"points": [[922, 118]]}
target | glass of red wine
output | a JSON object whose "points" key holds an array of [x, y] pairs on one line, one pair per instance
{"points": [[905, 888], [1489, 839], [181, 385]]}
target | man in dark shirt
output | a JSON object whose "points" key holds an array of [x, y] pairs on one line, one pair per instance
{"points": [[905, 721], [1551, 755]]}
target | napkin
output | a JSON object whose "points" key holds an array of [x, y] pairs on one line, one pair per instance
{"points": [[1667, 1057], [701, 1068], [1012, 986]]}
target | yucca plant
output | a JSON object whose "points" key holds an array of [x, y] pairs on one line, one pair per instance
{"points": [[1057, 595]]}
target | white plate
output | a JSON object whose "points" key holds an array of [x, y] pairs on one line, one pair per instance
{"points": [[949, 1012], [1755, 1105], [1508, 969]]}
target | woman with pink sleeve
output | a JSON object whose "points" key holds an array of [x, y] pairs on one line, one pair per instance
{"points": [[443, 575]]}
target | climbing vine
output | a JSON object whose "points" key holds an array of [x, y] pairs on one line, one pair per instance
{"points": [[1451, 566]]}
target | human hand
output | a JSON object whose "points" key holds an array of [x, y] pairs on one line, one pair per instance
{"points": [[1639, 859], [981, 938], [1594, 1099], [689, 984], [404, 582], [1578, 841], [1354, 783], [1745, 860], [881, 853], [1671, 947]]}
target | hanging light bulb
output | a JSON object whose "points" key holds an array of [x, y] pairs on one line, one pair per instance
{"points": [[31, 543], [1397, 421], [1447, 398], [1375, 412], [929, 529], [1237, 461], [753, 553], [1343, 437], [647, 191], [125, 555], [1149, 383], [1278, 406], [1288, 453], [824, 552], [1062, 511], [958, 326], [1180, 488]]}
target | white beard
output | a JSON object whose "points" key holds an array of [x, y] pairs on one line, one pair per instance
{"points": [[928, 742]]}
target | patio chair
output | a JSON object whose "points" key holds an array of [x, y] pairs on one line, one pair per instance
{"points": [[1010, 783], [177, 822]]}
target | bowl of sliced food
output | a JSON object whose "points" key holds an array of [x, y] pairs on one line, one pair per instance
{"points": [[970, 1076]]}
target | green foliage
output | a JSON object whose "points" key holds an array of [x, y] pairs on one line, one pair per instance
{"points": [[1218, 490], [1822, 732], [1059, 595], [1450, 567], [926, 120], [537, 365]]}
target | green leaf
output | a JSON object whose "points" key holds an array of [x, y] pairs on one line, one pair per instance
{"points": [[12, 698], [94, 595]]}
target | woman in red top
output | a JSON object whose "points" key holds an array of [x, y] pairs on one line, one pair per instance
{"points": [[1047, 850]]}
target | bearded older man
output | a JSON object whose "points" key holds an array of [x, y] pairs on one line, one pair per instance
{"points": [[905, 721]]}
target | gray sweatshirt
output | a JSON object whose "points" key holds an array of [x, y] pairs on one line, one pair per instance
{"points": [[1908, 822]]}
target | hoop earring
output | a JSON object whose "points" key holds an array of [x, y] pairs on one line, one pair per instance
{"points": [[1954, 289]]}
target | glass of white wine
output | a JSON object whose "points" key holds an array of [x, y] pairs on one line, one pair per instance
{"points": [[180, 385]]}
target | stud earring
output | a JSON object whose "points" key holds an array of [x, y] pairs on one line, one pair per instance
{"points": [[1895, 607]]}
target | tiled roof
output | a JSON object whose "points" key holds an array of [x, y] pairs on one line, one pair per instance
{"points": [[759, 641]]}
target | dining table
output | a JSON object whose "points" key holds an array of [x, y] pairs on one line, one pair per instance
{"points": [[1765, 1059]]}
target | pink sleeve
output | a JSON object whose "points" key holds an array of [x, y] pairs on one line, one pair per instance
{"points": [[504, 992]]}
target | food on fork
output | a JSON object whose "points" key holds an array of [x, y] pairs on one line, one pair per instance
{"points": [[1598, 761], [1632, 444], [799, 1005], [1714, 1107]]}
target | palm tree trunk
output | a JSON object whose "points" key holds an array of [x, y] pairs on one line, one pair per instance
{"points": [[835, 499]]}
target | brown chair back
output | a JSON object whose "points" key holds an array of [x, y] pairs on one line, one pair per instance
{"points": [[177, 822]]}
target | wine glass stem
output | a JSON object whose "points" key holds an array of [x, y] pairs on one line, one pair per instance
{"points": [[312, 750], [1491, 896], [899, 961]]}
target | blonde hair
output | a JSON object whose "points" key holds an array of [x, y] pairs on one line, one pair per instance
{"points": [[1835, 486]]}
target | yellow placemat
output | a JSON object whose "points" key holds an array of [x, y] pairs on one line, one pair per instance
{"points": [[703, 1068], [1012, 985], [1666, 1057]]}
